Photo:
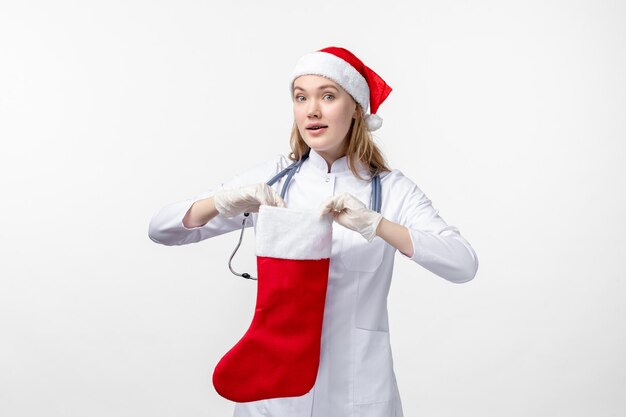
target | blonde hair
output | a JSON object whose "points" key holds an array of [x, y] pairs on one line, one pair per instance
{"points": [[360, 146]]}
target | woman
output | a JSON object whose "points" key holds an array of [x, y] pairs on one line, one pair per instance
{"points": [[331, 92]]}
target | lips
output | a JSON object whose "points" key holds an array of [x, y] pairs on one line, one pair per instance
{"points": [[315, 126]]}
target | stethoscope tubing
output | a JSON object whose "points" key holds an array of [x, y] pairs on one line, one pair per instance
{"points": [[375, 202]]}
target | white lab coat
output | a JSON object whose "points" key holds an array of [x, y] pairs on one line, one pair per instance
{"points": [[356, 376]]}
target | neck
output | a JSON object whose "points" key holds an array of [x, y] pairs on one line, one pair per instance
{"points": [[329, 160], [330, 157]]}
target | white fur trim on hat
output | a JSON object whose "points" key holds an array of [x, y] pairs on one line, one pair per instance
{"points": [[338, 70], [293, 234]]}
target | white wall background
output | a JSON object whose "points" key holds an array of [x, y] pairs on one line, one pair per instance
{"points": [[509, 115]]}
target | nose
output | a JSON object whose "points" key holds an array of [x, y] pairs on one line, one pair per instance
{"points": [[313, 109]]}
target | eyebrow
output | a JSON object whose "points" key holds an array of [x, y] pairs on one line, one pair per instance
{"points": [[321, 87]]}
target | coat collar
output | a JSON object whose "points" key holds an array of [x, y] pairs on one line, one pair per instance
{"points": [[339, 166]]}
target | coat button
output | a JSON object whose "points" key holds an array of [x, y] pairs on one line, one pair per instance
{"points": [[327, 179]]}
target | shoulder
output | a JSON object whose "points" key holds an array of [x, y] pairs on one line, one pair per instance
{"points": [[275, 164], [397, 182], [281, 162], [404, 198], [263, 170]]}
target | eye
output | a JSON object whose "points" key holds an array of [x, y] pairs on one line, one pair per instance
{"points": [[329, 95], [298, 98]]}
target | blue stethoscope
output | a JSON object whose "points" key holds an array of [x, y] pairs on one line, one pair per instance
{"points": [[375, 201]]}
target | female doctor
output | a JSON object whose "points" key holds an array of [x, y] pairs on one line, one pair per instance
{"points": [[376, 211]]}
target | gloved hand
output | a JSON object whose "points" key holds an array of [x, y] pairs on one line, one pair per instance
{"points": [[350, 212], [232, 202]]}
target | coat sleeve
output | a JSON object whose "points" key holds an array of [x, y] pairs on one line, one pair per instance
{"points": [[166, 226], [437, 246]]}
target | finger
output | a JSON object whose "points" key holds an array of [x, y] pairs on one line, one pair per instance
{"points": [[278, 200], [327, 206], [264, 197], [271, 197], [339, 203], [353, 203]]}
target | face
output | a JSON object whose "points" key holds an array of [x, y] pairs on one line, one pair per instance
{"points": [[319, 101]]}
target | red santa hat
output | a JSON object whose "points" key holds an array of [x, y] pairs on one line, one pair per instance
{"points": [[343, 67]]}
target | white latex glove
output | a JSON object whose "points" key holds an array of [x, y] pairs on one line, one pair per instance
{"points": [[350, 212], [232, 202]]}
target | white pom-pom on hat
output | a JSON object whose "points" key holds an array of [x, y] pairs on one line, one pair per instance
{"points": [[343, 67], [373, 121]]}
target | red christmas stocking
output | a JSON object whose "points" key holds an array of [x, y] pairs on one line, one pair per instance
{"points": [[279, 354]]}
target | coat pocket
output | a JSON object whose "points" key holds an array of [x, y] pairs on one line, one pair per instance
{"points": [[374, 380], [371, 303]]}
